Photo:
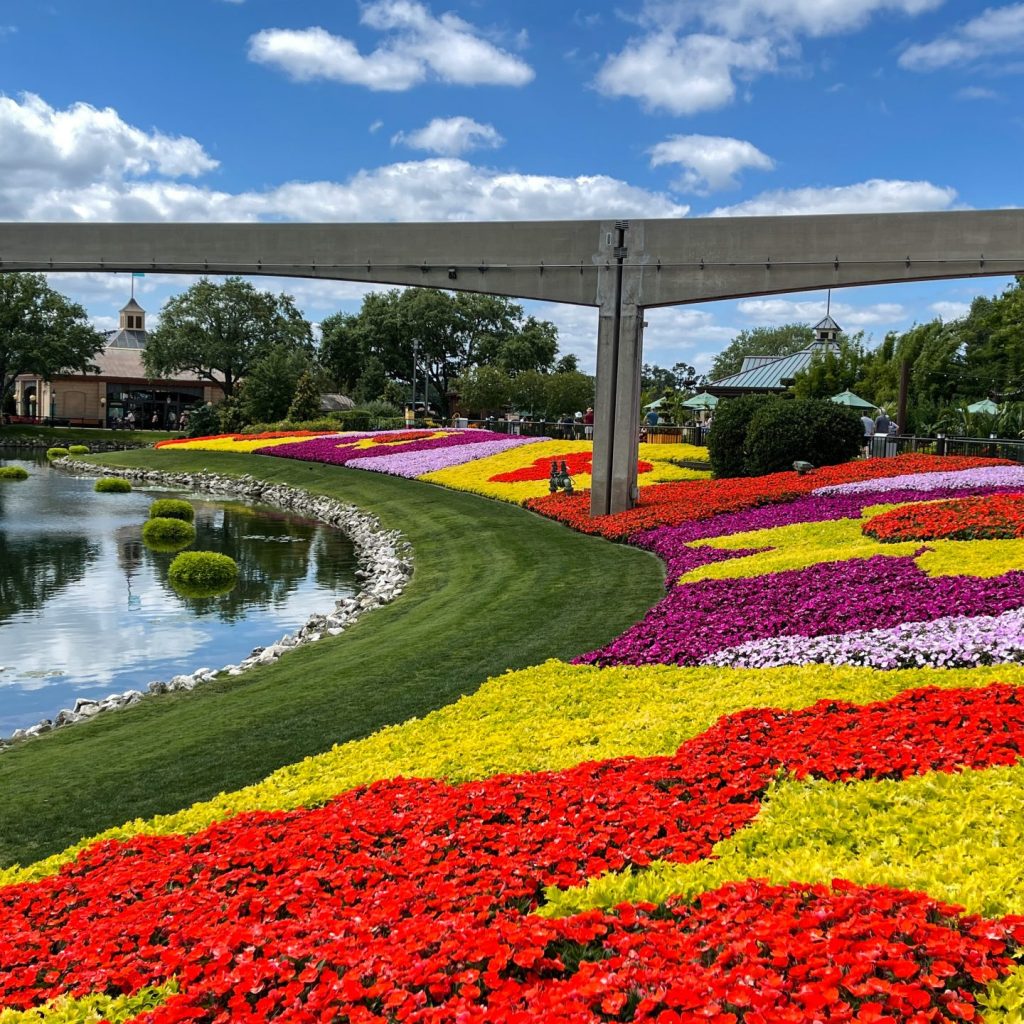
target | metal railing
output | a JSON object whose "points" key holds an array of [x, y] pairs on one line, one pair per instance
{"points": [[575, 430], [990, 448]]}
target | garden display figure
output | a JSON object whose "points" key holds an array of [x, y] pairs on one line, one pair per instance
{"points": [[559, 478]]}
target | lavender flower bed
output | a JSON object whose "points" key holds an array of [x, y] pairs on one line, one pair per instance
{"points": [[954, 480], [696, 620], [327, 450], [953, 641], [415, 463], [669, 543]]}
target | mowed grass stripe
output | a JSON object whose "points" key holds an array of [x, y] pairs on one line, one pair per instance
{"points": [[494, 588]]}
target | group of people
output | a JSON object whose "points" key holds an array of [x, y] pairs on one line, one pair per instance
{"points": [[880, 426], [175, 421]]}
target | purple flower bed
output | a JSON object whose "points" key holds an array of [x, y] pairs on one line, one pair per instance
{"points": [[326, 450], [409, 463], [953, 641], [954, 480], [669, 543], [695, 620]]}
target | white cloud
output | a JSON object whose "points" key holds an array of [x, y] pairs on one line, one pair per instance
{"points": [[41, 147], [683, 75], [451, 136], [849, 317], [874, 196], [376, 126], [997, 31], [709, 162], [806, 17], [950, 310], [417, 46], [977, 92]]}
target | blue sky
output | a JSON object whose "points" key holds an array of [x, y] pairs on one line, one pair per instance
{"points": [[338, 110]]}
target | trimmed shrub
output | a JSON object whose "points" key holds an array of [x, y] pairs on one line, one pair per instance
{"points": [[112, 485], [79, 449], [13, 473], [167, 534], [172, 508], [56, 453], [203, 573], [729, 432], [812, 429]]}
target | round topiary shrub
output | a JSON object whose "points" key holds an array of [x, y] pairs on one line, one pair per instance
{"points": [[172, 508], [729, 432], [79, 449], [167, 534], [203, 573], [56, 453], [13, 473], [812, 430], [112, 485]]}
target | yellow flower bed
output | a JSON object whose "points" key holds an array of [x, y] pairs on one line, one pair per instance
{"points": [[476, 476], [242, 445], [549, 716], [804, 544], [956, 837]]}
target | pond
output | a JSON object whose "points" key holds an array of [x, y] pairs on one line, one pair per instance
{"points": [[85, 606]]}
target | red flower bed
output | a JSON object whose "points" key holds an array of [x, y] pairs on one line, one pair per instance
{"points": [[405, 900], [673, 503], [992, 517], [578, 464], [268, 435]]}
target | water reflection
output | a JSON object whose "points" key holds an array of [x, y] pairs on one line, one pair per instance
{"points": [[86, 608]]}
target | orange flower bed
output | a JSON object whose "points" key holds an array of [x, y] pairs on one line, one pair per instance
{"points": [[993, 517], [674, 503]]}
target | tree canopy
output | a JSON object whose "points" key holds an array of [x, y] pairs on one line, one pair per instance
{"points": [[219, 331], [41, 332], [760, 341], [452, 333]]}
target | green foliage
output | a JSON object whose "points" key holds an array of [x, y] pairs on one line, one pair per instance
{"points": [[78, 449], [92, 1009], [165, 534], [203, 420], [528, 390], [728, 432], [269, 387], [13, 473], [814, 430], [761, 341], [567, 393], [41, 332], [484, 389], [112, 485], [305, 404], [203, 573], [833, 369], [57, 452], [172, 508], [219, 331]]}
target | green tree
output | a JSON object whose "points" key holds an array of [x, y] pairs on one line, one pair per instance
{"points": [[528, 391], [569, 363], [760, 341], [218, 331], [270, 385], [484, 389], [306, 402], [341, 350], [568, 393], [41, 332], [833, 369]]}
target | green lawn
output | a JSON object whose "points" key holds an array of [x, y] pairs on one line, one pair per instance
{"points": [[494, 588], [63, 436]]}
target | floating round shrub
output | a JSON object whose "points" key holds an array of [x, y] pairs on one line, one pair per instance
{"points": [[172, 508], [79, 449], [202, 573], [165, 534], [13, 473], [56, 453], [112, 485]]}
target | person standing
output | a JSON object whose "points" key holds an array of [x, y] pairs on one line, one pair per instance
{"points": [[588, 424], [869, 430], [130, 419]]}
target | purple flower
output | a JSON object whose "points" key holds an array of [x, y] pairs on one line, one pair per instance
{"points": [[413, 463]]}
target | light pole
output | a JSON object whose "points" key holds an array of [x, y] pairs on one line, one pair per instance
{"points": [[415, 345]]}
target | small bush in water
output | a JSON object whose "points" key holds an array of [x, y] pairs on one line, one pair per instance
{"points": [[167, 534], [56, 453], [13, 473], [172, 508], [79, 449], [203, 573], [112, 485]]}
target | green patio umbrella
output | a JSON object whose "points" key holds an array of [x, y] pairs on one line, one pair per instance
{"points": [[852, 401], [985, 405], [656, 404], [701, 401]]}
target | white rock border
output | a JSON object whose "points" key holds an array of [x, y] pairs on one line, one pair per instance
{"points": [[384, 558]]}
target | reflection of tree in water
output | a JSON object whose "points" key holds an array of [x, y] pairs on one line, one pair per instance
{"points": [[272, 550], [35, 569]]}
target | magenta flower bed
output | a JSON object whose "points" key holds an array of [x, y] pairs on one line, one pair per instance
{"points": [[327, 450], [697, 619], [669, 543]]}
